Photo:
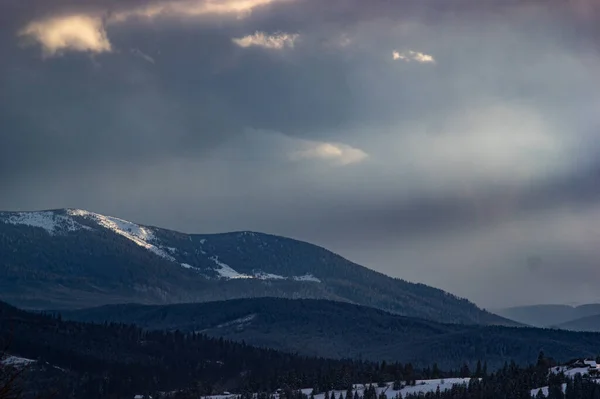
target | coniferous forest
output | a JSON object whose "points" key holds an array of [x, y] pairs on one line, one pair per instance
{"points": [[115, 360]]}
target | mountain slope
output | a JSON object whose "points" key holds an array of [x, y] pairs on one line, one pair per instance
{"points": [[72, 258], [548, 315], [589, 323], [339, 330]]}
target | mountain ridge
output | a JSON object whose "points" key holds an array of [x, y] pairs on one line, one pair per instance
{"points": [[549, 315], [71, 258], [584, 324]]}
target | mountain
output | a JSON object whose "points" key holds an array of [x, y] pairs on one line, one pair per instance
{"points": [[548, 315], [589, 323], [71, 258], [340, 330]]}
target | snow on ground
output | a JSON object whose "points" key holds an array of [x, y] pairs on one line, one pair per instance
{"points": [[544, 390], [422, 386], [268, 276], [140, 235], [50, 221], [306, 277], [16, 361], [241, 320], [569, 372], [227, 272], [188, 266]]}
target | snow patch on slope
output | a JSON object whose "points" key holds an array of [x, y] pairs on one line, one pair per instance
{"points": [[16, 361], [306, 277], [140, 235], [50, 221], [241, 320], [545, 390], [268, 276], [225, 271]]}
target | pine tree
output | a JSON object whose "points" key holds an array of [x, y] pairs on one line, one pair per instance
{"points": [[349, 392], [464, 371], [435, 372], [478, 370]]}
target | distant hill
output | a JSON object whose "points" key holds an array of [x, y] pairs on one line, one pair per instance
{"points": [[589, 323], [338, 330], [548, 315], [72, 258]]}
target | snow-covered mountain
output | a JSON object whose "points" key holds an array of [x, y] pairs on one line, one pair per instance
{"points": [[72, 258]]}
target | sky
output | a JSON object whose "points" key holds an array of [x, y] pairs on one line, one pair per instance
{"points": [[453, 143]]}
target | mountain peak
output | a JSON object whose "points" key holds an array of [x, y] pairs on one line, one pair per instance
{"points": [[68, 220]]}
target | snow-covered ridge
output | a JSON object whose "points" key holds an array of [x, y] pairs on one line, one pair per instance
{"points": [[50, 221], [140, 235], [70, 220]]}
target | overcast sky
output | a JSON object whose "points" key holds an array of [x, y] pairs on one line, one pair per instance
{"points": [[452, 143]]}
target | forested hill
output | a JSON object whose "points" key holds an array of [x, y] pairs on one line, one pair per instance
{"points": [[112, 360], [72, 258], [337, 330], [102, 360]]}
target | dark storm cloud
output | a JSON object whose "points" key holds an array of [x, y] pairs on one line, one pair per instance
{"points": [[167, 121]]}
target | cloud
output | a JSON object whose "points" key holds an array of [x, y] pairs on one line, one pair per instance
{"points": [[73, 32], [336, 153], [191, 8], [86, 31], [261, 39], [409, 56]]}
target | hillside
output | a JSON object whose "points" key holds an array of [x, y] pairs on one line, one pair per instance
{"points": [[589, 323], [67, 259], [117, 360], [338, 330], [548, 315]]}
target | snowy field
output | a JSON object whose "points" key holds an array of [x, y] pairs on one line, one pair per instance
{"points": [[569, 372], [422, 386]]}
